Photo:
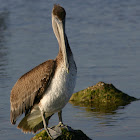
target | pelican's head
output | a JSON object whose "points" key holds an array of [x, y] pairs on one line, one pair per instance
{"points": [[58, 24]]}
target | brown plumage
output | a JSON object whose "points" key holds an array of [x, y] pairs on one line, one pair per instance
{"points": [[29, 88]]}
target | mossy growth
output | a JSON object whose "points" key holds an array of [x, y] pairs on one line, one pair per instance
{"points": [[66, 135], [102, 97]]}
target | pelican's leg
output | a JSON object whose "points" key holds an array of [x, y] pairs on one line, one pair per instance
{"points": [[61, 122], [60, 118], [45, 123], [52, 132]]}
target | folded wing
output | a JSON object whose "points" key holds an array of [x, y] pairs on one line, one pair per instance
{"points": [[30, 88]]}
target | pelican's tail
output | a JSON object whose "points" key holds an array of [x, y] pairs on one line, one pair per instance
{"points": [[32, 122]]}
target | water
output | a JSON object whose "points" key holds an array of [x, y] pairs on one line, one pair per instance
{"points": [[104, 37]]}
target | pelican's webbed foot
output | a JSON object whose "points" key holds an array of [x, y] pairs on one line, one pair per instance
{"points": [[54, 132], [63, 126]]}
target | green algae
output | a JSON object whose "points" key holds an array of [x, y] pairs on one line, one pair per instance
{"points": [[101, 97], [66, 135]]}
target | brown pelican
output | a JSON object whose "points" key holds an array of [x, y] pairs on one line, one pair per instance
{"points": [[47, 88]]}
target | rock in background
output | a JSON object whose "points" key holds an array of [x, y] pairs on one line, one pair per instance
{"points": [[101, 97]]}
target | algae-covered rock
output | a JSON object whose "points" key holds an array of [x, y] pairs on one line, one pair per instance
{"points": [[101, 97], [66, 135]]}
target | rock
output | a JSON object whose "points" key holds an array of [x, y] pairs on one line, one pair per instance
{"points": [[101, 97], [66, 135]]}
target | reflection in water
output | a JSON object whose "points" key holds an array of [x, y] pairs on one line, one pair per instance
{"points": [[98, 108], [104, 116]]}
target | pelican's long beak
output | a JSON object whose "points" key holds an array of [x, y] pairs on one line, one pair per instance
{"points": [[61, 28]]}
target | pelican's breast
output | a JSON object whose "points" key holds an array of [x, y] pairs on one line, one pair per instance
{"points": [[60, 89]]}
